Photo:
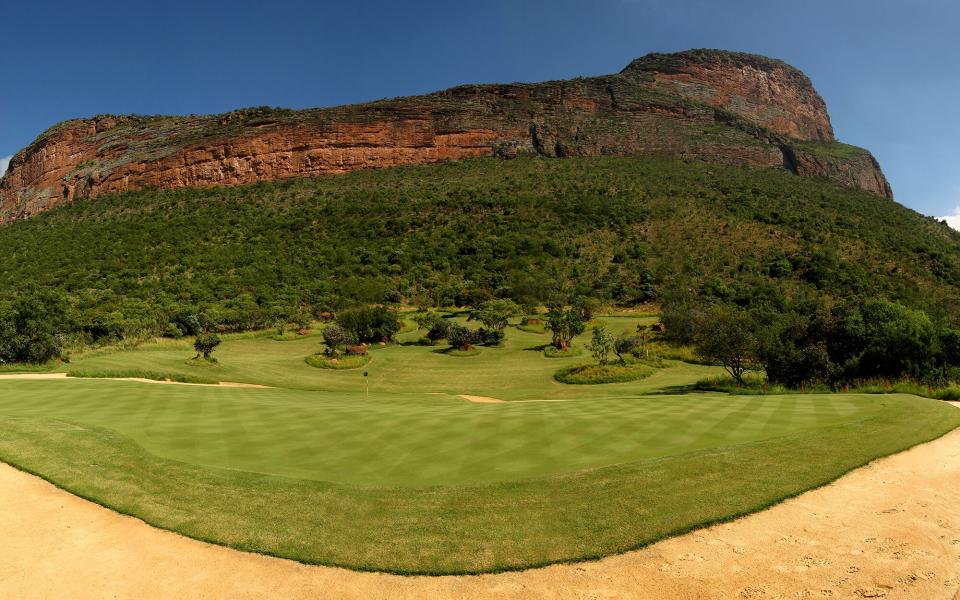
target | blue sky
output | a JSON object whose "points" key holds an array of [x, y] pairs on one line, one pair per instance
{"points": [[888, 69]]}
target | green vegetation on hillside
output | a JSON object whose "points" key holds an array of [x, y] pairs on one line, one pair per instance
{"points": [[623, 230]]}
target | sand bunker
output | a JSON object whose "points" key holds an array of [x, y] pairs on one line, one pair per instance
{"points": [[889, 530], [481, 399]]}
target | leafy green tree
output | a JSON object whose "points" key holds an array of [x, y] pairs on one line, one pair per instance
{"points": [[436, 326], [724, 334], [565, 324], [205, 343], [32, 327], [602, 344], [335, 337], [302, 317], [461, 337], [370, 324], [626, 343], [495, 314]]}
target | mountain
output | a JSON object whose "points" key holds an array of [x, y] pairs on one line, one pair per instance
{"points": [[701, 106]]}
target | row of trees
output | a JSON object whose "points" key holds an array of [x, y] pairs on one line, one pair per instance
{"points": [[808, 344]]}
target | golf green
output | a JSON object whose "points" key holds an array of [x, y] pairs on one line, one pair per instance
{"points": [[417, 439]]}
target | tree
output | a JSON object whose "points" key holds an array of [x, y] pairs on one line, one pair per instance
{"points": [[565, 324], [31, 328], [280, 317], [435, 325], [495, 314], [302, 318], [625, 344], [370, 324], [205, 344], [335, 336], [724, 334], [602, 344], [460, 337]]}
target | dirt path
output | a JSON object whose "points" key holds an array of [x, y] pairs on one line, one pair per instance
{"points": [[889, 530], [36, 376]]}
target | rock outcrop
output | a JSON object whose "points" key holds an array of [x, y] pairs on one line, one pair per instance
{"points": [[702, 105]]}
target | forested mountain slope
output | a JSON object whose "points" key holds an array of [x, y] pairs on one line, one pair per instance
{"points": [[626, 230]]}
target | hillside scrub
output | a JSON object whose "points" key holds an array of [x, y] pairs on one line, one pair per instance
{"points": [[622, 230]]}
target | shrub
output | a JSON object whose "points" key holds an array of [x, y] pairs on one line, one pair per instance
{"points": [[205, 344], [626, 344], [460, 337], [349, 361], [601, 344], [335, 336], [490, 337], [596, 374]]}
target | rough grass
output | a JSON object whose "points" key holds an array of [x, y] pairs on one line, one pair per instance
{"points": [[550, 351], [82, 372], [540, 329], [458, 352], [757, 384], [609, 373], [348, 361]]}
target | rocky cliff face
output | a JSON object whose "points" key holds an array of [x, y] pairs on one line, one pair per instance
{"points": [[699, 105]]}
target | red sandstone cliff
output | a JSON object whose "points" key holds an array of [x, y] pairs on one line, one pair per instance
{"points": [[700, 105]]}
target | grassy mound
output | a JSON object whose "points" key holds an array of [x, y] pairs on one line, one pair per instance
{"points": [[610, 373], [348, 361], [458, 352], [540, 329], [551, 351]]}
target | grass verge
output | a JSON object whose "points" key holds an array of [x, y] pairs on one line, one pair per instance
{"points": [[758, 385], [139, 374]]}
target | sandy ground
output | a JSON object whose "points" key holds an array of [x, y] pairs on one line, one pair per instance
{"points": [[888, 530], [137, 379], [481, 399]]}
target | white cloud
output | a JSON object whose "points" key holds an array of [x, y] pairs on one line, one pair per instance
{"points": [[4, 161], [953, 220]]}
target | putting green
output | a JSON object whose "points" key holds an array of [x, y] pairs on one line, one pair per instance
{"points": [[416, 440], [410, 477]]}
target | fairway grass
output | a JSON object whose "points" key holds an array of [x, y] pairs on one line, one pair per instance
{"points": [[411, 478]]}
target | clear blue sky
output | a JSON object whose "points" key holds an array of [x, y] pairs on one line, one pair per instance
{"points": [[888, 69]]}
